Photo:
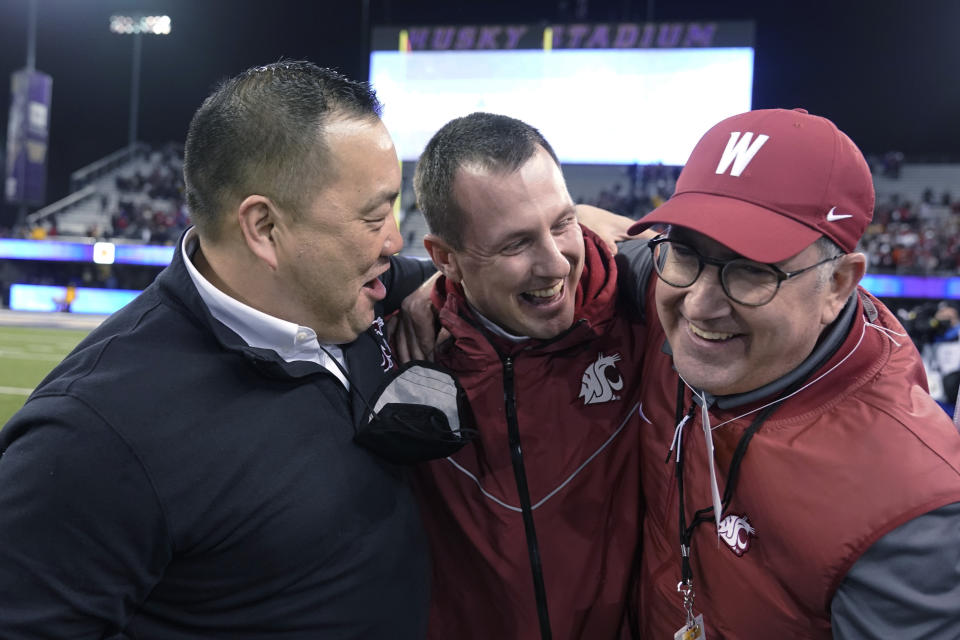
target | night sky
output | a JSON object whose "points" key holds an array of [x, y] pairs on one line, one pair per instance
{"points": [[885, 71]]}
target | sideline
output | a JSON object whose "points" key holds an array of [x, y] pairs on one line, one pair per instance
{"points": [[50, 320], [15, 391]]}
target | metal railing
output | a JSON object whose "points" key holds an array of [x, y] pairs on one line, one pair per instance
{"points": [[62, 204], [103, 166]]}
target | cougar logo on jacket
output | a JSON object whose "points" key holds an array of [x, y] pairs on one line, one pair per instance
{"points": [[386, 354], [598, 384], [736, 532]]}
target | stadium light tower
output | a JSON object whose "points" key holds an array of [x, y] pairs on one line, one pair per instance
{"points": [[137, 25]]}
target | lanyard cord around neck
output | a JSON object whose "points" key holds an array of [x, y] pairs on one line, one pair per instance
{"points": [[703, 515]]}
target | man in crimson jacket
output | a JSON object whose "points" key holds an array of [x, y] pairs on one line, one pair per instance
{"points": [[813, 485], [533, 527]]}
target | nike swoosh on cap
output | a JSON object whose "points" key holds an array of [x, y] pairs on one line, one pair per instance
{"points": [[833, 217]]}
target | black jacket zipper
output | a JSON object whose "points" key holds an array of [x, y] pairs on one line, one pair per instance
{"points": [[516, 457]]}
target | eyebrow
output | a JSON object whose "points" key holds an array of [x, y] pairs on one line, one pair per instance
{"points": [[388, 196], [691, 241], [523, 233], [571, 209]]}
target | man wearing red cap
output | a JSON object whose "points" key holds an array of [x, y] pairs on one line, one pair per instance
{"points": [[812, 486]]}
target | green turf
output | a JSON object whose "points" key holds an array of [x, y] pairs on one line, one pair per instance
{"points": [[26, 356]]}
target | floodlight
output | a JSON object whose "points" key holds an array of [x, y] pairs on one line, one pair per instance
{"points": [[137, 25]]}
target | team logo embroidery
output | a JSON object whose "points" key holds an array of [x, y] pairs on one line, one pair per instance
{"points": [[737, 533], [386, 355], [740, 152], [598, 384]]}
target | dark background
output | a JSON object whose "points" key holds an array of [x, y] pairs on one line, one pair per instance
{"points": [[885, 72]]}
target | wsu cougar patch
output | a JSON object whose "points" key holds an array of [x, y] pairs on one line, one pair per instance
{"points": [[736, 532], [386, 355], [600, 380]]}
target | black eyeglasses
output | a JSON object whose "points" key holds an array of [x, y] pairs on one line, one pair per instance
{"points": [[746, 282]]}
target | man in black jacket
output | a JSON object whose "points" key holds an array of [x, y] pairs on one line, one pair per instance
{"points": [[189, 471]]}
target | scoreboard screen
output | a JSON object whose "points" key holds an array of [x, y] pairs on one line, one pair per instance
{"points": [[601, 94]]}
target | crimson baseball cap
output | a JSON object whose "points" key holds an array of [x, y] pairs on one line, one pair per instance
{"points": [[769, 183]]}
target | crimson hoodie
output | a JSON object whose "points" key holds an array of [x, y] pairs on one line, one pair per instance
{"points": [[548, 498]]}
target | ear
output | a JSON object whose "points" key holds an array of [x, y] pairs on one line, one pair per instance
{"points": [[846, 276], [257, 217], [443, 256]]}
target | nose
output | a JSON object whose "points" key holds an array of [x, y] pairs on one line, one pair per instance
{"points": [[393, 240], [550, 260], [705, 298]]}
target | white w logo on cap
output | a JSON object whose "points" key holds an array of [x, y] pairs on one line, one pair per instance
{"points": [[740, 152]]}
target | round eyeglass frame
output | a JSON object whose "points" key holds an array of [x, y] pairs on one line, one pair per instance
{"points": [[722, 265]]}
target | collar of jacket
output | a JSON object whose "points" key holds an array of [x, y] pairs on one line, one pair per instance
{"points": [[849, 355], [178, 290]]}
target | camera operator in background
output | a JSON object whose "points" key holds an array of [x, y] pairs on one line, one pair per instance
{"points": [[935, 330], [948, 317]]}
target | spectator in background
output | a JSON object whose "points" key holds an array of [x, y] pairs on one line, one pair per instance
{"points": [[69, 295], [948, 319], [892, 163]]}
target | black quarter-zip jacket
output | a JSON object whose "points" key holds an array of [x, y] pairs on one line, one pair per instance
{"points": [[168, 481]]}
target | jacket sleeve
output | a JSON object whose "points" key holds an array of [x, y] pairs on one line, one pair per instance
{"points": [[906, 585], [82, 536], [634, 271], [405, 275]]}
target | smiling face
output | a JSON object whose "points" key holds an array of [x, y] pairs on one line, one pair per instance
{"points": [[523, 249], [330, 255], [724, 347]]}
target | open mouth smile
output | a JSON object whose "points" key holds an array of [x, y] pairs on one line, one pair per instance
{"points": [[543, 296], [714, 336]]}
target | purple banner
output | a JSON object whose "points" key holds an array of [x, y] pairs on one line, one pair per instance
{"points": [[603, 35], [28, 134]]}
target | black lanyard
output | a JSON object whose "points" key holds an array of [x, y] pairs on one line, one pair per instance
{"points": [[704, 515], [794, 381]]}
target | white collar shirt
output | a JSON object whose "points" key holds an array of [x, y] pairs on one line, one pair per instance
{"points": [[289, 340]]}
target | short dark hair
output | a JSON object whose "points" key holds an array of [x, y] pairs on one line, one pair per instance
{"points": [[490, 141], [261, 132], [827, 249]]}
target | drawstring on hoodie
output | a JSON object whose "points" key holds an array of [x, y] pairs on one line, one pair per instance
{"points": [[889, 333]]}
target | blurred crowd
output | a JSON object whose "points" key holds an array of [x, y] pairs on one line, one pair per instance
{"points": [[905, 237], [149, 204], [644, 188], [143, 202], [915, 238], [146, 203]]}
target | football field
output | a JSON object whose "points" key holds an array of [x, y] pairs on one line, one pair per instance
{"points": [[27, 354]]}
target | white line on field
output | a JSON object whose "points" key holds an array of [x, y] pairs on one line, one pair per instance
{"points": [[23, 355], [15, 391]]}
